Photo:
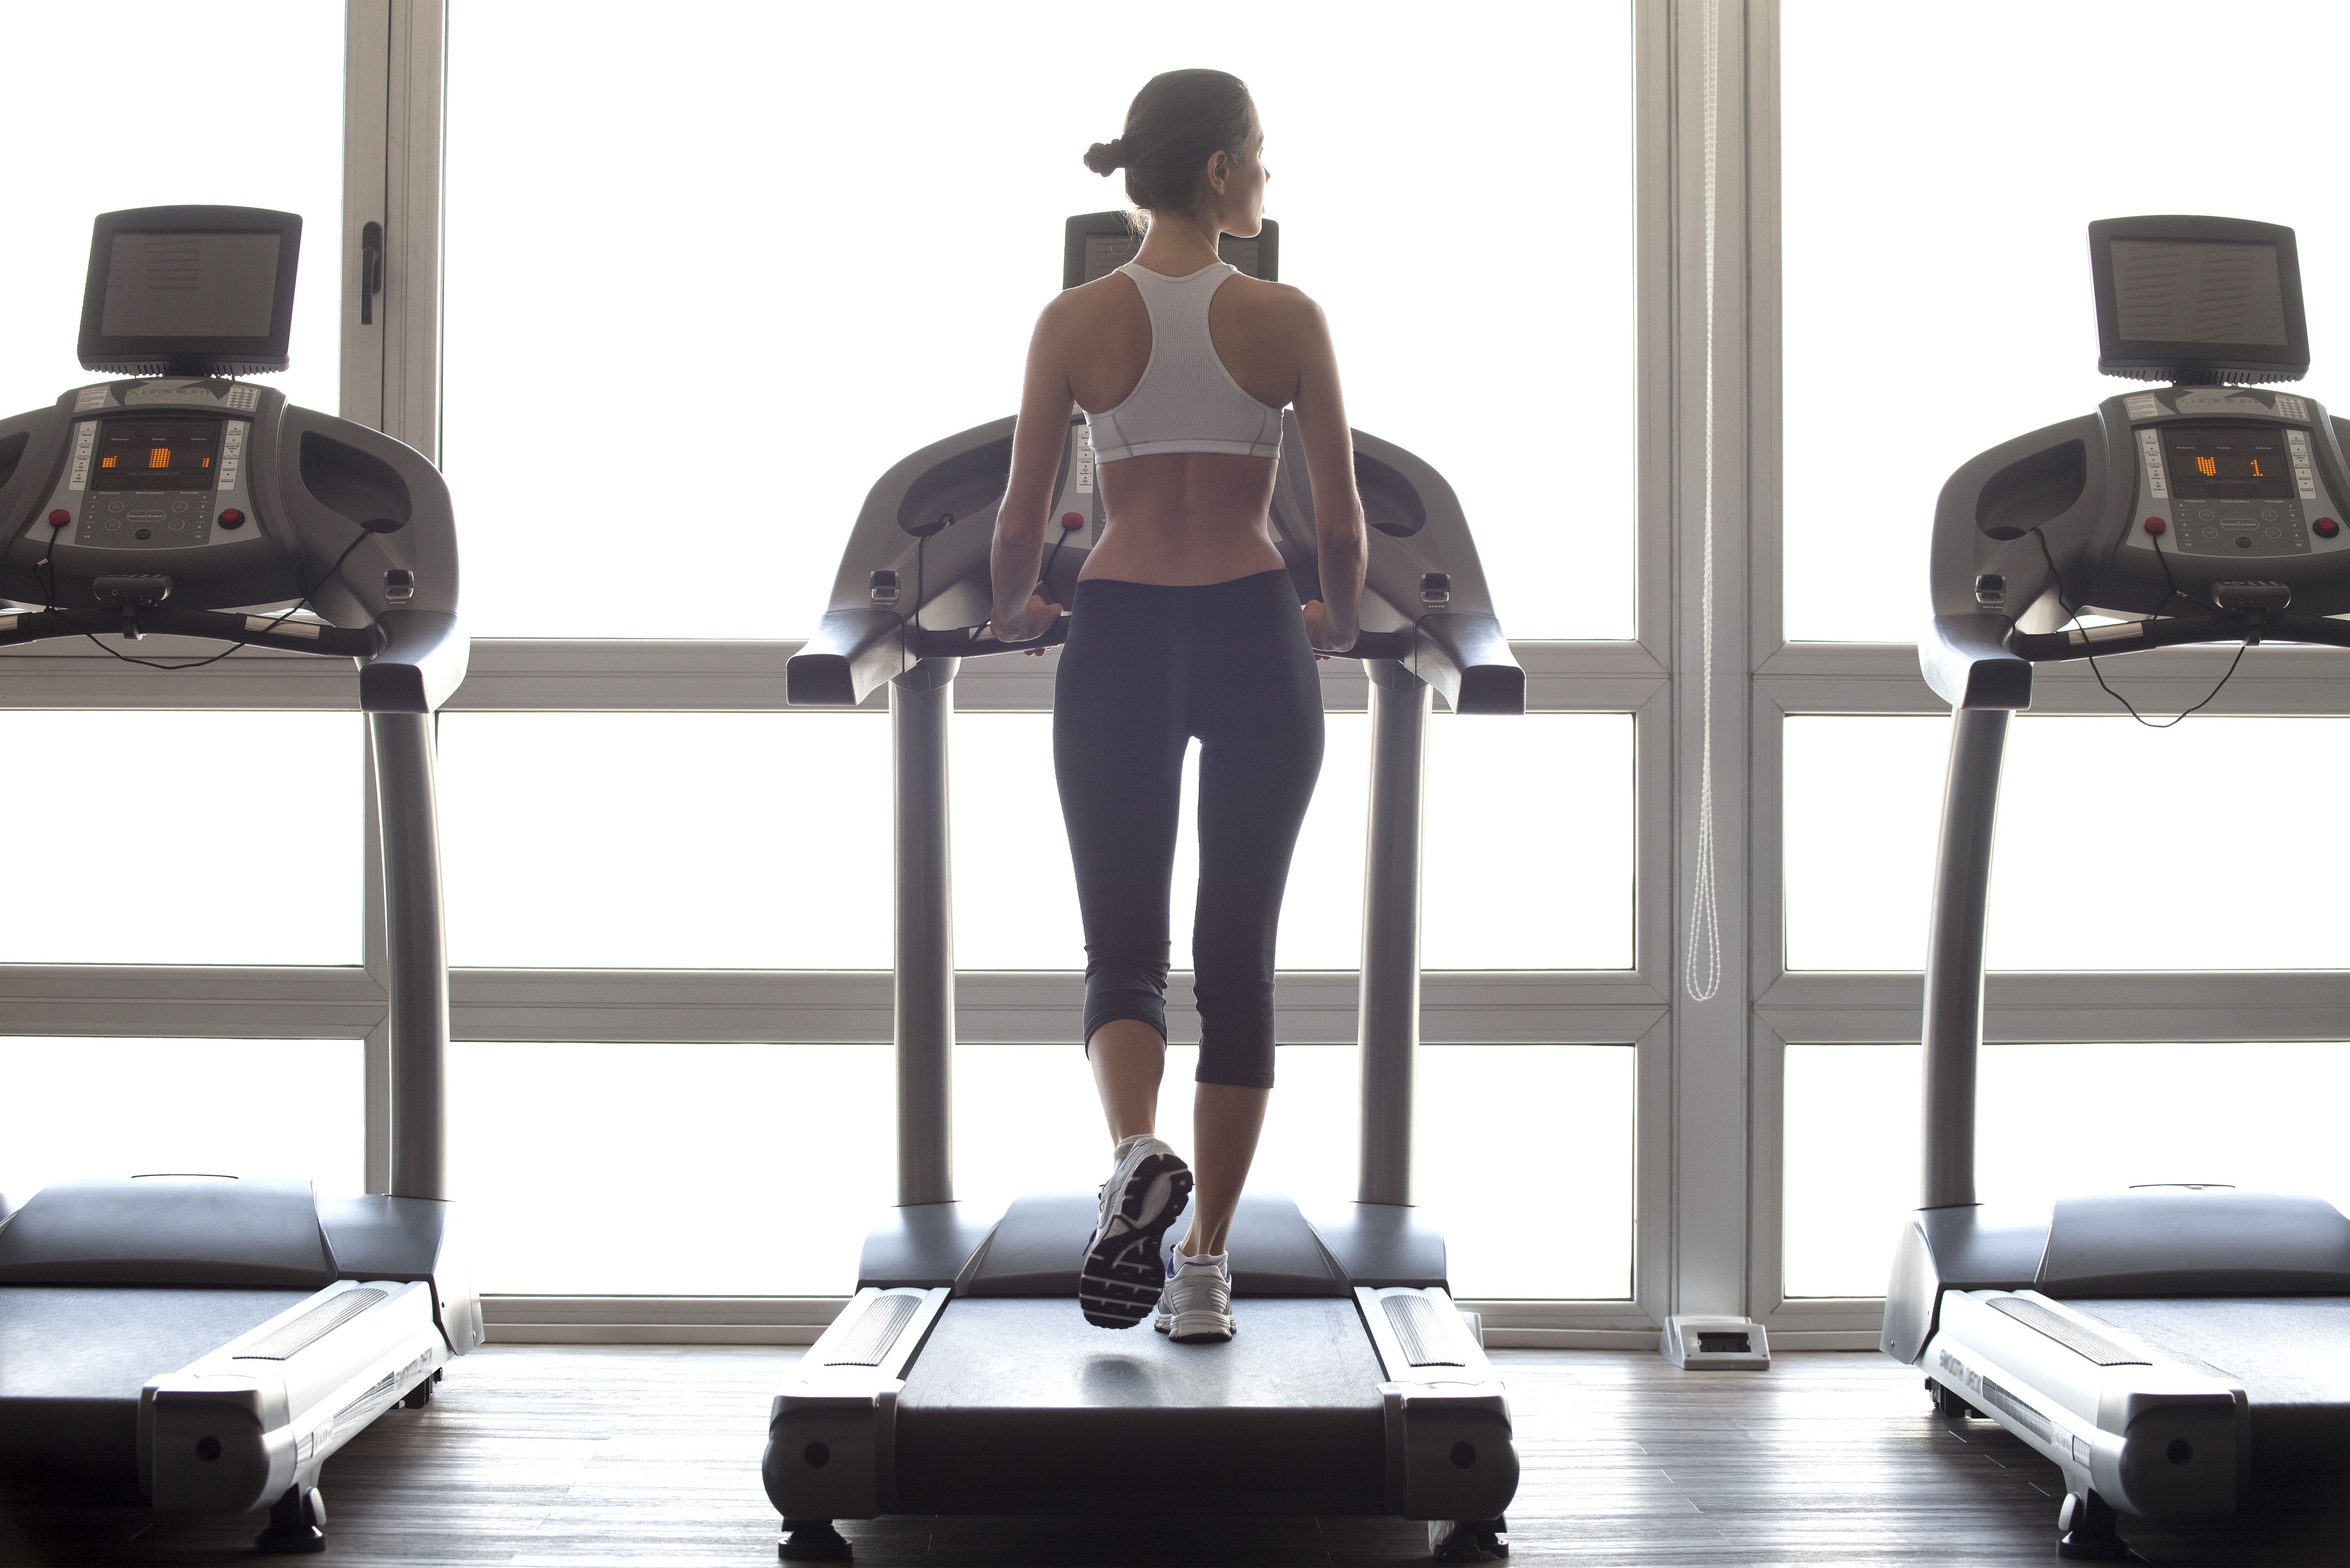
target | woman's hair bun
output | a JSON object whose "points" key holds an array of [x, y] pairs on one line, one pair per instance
{"points": [[1105, 158]]}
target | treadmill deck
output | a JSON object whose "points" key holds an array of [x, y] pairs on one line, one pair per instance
{"points": [[2291, 1353], [1018, 1405], [74, 1357]]}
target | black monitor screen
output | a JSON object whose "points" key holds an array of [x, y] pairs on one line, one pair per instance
{"points": [[2227, 462], [189, 286], [2198, 291]]}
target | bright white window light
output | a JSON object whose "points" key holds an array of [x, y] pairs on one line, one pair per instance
{"points": [[728, 1170], [809, 247], [2249, 1115], [667, 840], [2089, 808], [265, 816], [98, 1107], [1931, 238], [269, 74]]}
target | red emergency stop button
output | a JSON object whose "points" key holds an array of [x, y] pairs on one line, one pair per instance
{"points": [[232, 518], [2326, 527], [2156, 526], [1073, 521], [61, 517]]}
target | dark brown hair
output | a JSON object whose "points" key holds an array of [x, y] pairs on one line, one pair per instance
{"points": [[1177, 122]]}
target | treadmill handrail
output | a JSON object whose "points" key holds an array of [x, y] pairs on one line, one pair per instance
{"points": [[2173, 631], [287, 634]]}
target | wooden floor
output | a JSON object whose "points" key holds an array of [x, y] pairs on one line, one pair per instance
{"points": [[648, 1454]]}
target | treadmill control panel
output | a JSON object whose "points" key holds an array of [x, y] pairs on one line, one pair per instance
{"points": [[151, 466], [2237, 489]]}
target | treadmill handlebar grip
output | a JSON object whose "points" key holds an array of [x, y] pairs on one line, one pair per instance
{"points": [[423, 663], [852, 653], [1965, 659], [1466, 656]]}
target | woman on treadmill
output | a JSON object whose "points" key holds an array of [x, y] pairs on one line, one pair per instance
{"points": [[1186, 625]]}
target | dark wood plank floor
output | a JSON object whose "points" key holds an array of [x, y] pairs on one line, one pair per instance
{"points": [[578, 1456]]}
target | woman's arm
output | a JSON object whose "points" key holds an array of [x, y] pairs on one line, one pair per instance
{"points": [[1018, 550], [1338, 542]]}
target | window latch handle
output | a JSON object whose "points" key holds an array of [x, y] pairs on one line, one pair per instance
{"points": [[370, 271]]}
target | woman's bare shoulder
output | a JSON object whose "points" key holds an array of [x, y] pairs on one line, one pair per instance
{"points": [[1277, 308], [1105, 299]]}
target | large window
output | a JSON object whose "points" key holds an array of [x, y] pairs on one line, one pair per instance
{"points": [[1936, 174], [807, 249], [271, 75], [1940, 172], [804, 245], [840, 235], [157, 857]]}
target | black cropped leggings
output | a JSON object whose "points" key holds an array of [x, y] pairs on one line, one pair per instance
{"points": [[1145, 670]]}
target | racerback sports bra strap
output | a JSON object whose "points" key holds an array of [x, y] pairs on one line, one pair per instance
{"points": [[1186, 401]]}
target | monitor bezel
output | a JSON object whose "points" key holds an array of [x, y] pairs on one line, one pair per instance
{"points": [[2150, 359], [155, 354]]}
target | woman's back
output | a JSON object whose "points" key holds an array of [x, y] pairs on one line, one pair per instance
{"points": [[1196, 515]]}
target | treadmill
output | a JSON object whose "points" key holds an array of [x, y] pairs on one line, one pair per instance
{"points": [[2177, 1351], [961, 1378], [204, 1343]]}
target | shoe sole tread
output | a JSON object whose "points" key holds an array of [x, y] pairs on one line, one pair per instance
{"points": [[1119, 1281]]}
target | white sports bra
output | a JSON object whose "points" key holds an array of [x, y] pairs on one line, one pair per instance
{"points": [[1186, 401]]}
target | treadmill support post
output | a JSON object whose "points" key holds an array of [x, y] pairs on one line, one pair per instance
{"points": [[1954, 953], [1389, 1010], [415, 947], [920, 703]]}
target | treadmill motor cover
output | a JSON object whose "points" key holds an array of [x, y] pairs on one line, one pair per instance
{"points": [[185, 1230], [2196, 1242]]}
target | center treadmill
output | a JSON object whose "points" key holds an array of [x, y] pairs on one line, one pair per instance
{"points": [[205, 1343], [962, 1379], [2177, 1351]]}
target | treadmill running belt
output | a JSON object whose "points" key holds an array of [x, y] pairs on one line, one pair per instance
{"points": [[1018, 1405], [74, 1357], [2291, 1353]]}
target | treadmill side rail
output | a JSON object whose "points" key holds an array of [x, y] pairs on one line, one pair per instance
{"points": [[236, 1428], [1450, 1454], [832, 1433], [2154, 1438]]}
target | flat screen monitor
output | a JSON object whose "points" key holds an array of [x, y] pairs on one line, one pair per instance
{"points": [[190, 291], [2198, 299], [1098, 244]]}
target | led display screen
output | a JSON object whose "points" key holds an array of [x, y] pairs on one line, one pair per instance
{"points": [[156, 454], [2219, 462]]}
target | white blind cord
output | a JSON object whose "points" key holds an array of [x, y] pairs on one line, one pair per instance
{"points": [[1701, 967]]}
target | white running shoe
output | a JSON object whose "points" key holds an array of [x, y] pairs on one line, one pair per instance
{"points": [[1119, 1278], [1196, 1307]]}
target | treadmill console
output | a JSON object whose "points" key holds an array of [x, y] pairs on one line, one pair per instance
{"points": [[163, 478], [2230, 474]]}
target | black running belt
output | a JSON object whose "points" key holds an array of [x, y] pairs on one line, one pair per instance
{"points": [[869, 1338], [2086, 1343], [1415, 1323], [288, 1340]]}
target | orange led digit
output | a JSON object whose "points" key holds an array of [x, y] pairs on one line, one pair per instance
{"points": [[2207, 466], [159, 457]]}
